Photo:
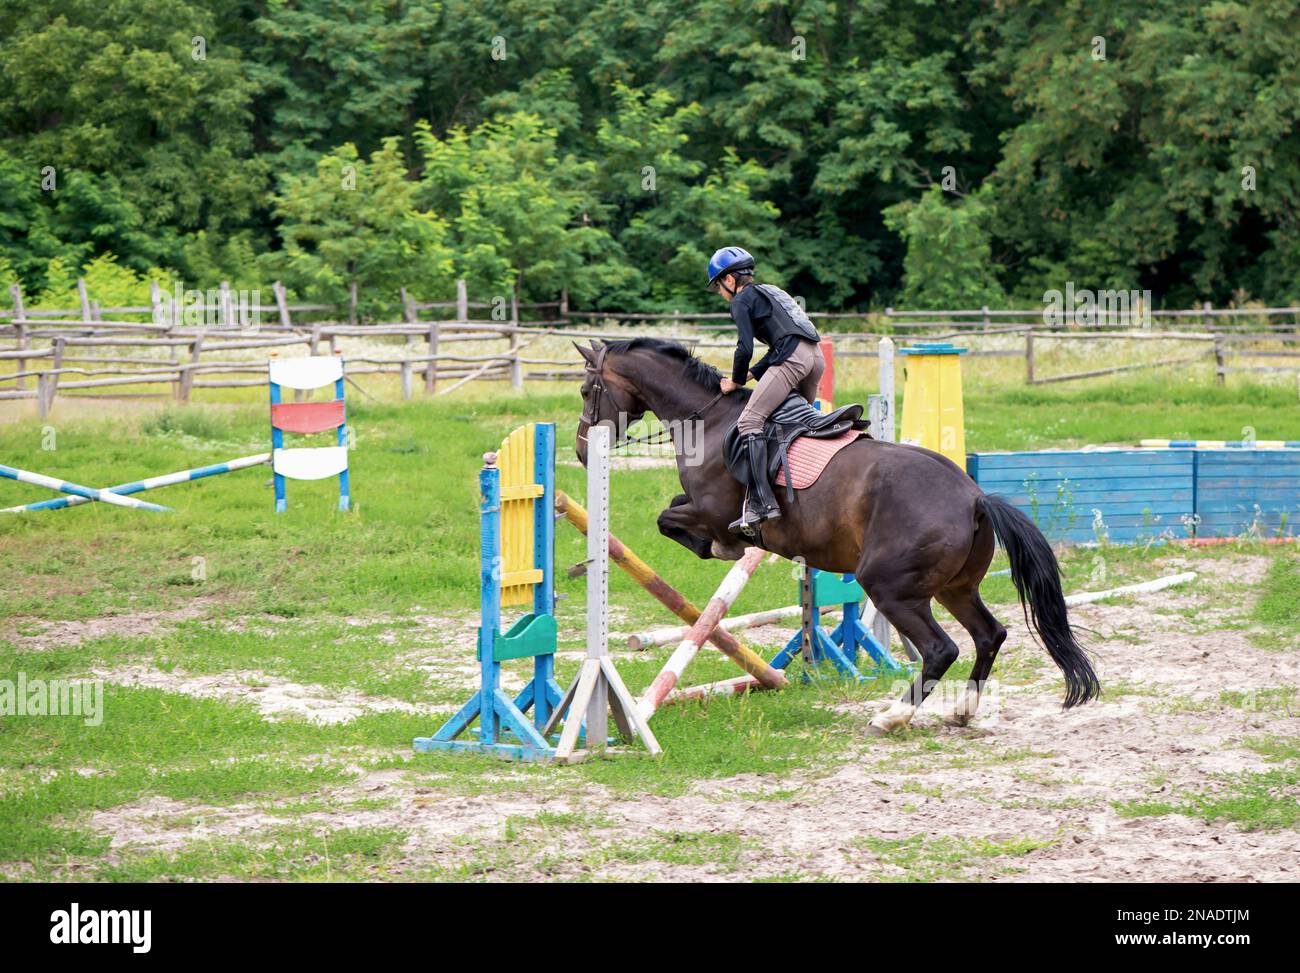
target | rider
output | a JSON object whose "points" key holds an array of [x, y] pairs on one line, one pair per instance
{"points": [[793, 361]]}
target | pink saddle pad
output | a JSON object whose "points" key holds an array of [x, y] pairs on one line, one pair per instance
{"points": [[808, 457]]}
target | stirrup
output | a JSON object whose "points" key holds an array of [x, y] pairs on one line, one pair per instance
{"points": [[749, 519]]}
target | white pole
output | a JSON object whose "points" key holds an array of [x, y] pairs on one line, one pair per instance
{"points": [[887, 432], [1159, 584], [886, 351], [598, 576]]}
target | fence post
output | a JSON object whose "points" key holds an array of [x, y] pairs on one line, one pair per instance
{"points": [[282, 305], [407, 318], [885, 349], [52, 379], [20, 328], [564, 305], [187, 374], [988, 321], [1206, 316], [431, 372], [1220, 372], [516, 367], [227, 317], [155, 301], [352, 304], [1029, 355], [42, 383], [85, 299], [888, 432]]}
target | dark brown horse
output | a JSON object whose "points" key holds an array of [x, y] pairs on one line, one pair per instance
{"points": [[907, 522]]}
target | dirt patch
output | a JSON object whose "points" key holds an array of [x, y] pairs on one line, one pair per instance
{"points": [[274, 697], [61, 634]]}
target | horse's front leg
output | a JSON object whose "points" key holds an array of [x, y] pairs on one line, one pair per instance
{"points": [[682, 523]]}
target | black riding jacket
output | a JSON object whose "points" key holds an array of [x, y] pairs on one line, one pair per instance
{"points": [[766, 312]]}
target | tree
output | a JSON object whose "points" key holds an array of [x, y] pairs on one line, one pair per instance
{"points": [[520, 215], [355, 222], [949, 264]]}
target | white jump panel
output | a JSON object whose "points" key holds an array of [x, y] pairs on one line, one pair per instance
{"points": [[310, 462], [306, 373]]}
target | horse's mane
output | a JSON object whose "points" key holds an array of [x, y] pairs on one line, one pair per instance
{"points": [[700, 372]]}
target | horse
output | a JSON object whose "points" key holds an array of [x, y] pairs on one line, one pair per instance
{"points": [[908, 523]]}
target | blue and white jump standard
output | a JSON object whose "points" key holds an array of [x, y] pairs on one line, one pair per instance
{"points": [[308, 462]]}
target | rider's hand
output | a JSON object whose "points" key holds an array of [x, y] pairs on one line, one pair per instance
{"points": [[750, 377], [728, 386]]}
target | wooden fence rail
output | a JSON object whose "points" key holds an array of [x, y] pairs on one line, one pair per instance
{"points": [[188, 348]]}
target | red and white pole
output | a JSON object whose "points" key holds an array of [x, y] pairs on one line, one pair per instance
{"points": [[732, 585]]}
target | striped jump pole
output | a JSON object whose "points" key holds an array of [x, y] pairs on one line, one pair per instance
{"points": [[152, 483], [90, 493], [722, 600], [1219, 444], [674, 600]]}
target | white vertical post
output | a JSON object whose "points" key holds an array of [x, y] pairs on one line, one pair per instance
{"points": [[886, 431], [887, 417], [598, 688], [598, 577]]}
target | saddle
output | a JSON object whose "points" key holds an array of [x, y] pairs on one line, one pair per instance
{"points": [[792, 419]]}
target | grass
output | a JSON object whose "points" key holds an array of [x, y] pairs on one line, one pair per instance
{"points": [[925, 859], [345, 601]]}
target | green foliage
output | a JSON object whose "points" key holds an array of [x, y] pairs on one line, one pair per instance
{"points": [[949, 263], [354, 223], [111, 284], [1130, 168], [530, 136], [518, 210], [147, 143]]}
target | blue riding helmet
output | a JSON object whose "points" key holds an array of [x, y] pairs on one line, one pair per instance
{"points": [[728, 260]]}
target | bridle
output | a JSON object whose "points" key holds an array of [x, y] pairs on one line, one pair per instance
{"points": [[597, 368]]}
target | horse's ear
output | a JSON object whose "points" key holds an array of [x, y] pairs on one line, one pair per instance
{"points": [[588, 353]]}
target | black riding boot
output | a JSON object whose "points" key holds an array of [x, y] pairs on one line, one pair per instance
{"points": [[760, 502]]}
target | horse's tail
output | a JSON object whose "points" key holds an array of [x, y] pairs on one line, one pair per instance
{"points": [[1037, 578]]}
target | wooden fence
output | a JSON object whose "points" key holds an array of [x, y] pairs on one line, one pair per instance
{"points": [[52, 347]]}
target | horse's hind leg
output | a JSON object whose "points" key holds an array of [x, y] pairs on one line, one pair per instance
{"points": [[910, 614], [986, 632]]}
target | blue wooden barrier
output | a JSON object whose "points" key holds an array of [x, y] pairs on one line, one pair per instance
{"points": [[1231, 484], [1143, 494]]}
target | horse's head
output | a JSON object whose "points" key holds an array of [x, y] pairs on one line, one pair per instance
{"points": [[609, 396], [627, 379]]}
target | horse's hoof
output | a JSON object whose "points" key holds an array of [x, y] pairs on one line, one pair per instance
{"points": [[958, 719], [895, 718], [878, 731]]}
